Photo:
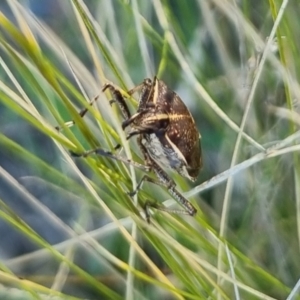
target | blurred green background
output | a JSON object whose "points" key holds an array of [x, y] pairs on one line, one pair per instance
{"points": [[55, 57]]}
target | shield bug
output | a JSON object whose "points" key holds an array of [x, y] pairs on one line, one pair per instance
{"points": [[167, 136]]}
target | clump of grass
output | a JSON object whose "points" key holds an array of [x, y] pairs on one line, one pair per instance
{"points": [[234, 66]]}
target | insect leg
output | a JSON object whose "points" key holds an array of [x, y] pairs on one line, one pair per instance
{"points": [[119, 99], [147, 84], [146, 88], [140, 184], [171, 186], [165, 181], [81, 114], [153, 204], [109, 154]]}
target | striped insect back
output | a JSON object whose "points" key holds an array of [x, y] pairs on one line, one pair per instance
{"points": [[172, 139]]}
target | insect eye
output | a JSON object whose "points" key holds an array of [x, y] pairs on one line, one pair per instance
{"points": [[147, 81]]}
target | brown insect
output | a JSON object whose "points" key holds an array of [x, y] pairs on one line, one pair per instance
{"points": [[167, 136]]}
